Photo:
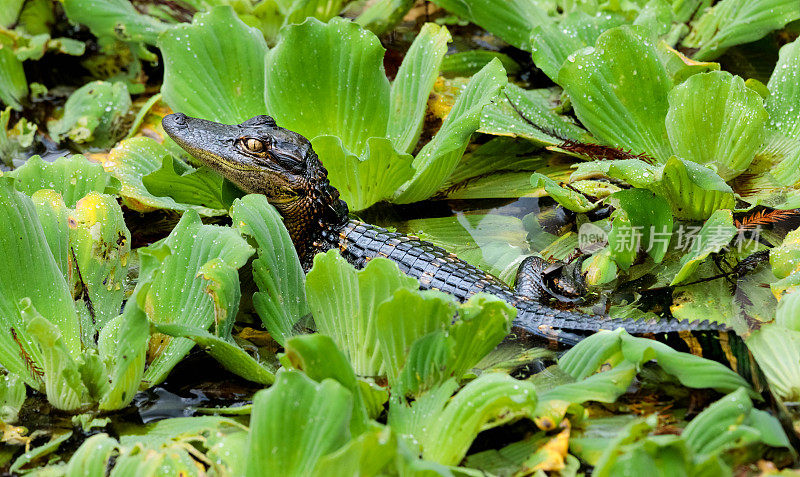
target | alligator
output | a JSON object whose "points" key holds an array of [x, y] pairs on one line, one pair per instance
{"points": [[262, 158]]}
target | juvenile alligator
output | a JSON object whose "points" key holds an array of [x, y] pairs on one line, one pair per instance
{"points": [[260, 157]]}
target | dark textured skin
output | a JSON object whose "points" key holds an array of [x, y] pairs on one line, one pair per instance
{"points": [[290, 174]]}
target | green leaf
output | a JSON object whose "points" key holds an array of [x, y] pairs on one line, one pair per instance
{"points": [[412, 86], [295, 423], [281, 299], [187, 185], [568, 198], [130, 161], [528, 114], [729, 423], [93, 115], [714, 119], [345, 303], [785, 258], [367, 454], [693, 191], [62, 380], [318, 358], [114, 18], [54, 217], [484, 320], [93, 457], [619, 91], [716, 233], [487, 402], [382, 15], [13, 84], [177, 291], [214, 68], [733, 22], [366, 180], [229, 354], [22, 240], [777, 352], [605, 387], [614, 347], [122, 344], [646, 223], [405, 317], [784, 88], [438, 158], [12, 396], [73, 177], [348, 94], [511, 20], [467, 63], [552, 44]]}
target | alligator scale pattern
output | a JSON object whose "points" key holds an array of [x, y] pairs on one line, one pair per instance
{"points": [[435, 268]]}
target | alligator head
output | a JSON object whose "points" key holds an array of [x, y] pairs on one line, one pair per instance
{"points": [[262, 158]]}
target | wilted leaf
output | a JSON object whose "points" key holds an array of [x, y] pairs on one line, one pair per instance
{"points": [[93, 115]]}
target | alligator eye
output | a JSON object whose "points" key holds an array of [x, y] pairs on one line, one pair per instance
{"points": [[254, 145]]}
